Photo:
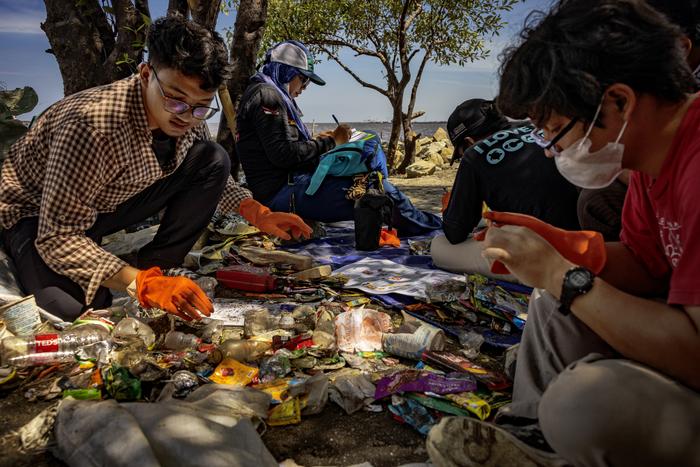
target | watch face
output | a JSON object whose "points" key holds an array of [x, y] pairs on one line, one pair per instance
{"points": [[579, 278]]}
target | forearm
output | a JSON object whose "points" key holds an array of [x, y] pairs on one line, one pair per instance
{"points": [[653, 333], [624, 272], [121, 279]]}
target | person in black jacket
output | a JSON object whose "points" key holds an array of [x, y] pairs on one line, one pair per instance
{"points": [[279, 155], [501, 165]]}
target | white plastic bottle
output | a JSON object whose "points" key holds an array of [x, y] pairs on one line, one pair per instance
{"points": [[50, 348]]}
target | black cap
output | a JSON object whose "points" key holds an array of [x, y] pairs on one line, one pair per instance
{"points": [[467, 119]]}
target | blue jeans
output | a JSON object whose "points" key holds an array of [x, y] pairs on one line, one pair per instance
{"points": [[329, 204]]}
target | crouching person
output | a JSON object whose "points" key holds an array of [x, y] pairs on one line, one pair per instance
{"points": [[609, 375], [108, 157]]}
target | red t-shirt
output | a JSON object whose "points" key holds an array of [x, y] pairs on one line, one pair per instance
{"points": [[661, 217]]}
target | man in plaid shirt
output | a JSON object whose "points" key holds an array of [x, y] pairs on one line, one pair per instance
{"points": [[108, 157]]}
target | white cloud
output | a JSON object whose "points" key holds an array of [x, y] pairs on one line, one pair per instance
{"points": [[21, 20]]}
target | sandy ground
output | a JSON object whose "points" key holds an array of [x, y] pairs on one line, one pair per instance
{"points": [[425, 192], [330, 438]]}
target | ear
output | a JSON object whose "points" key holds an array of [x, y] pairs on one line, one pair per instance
{"points": [[144, 73], [686, 44], [623, 97]]}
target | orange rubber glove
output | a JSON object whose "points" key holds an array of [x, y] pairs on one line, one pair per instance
{"points": [[445, 200], [273, 223], [177, 295], [583, 247], [390, 238]]}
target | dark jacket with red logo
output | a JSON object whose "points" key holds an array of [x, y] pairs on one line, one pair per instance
{"points": [[268, 142]]}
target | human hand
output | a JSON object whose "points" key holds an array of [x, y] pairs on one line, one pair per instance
{"points": [[274, 223], [325, 134], [528, 256], [582, 247], [179, 296], [342, 134]]}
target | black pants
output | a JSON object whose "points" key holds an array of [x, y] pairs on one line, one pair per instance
{"points": [[189, 196]]}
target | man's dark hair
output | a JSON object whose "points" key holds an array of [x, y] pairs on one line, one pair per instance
{"points": [[174, 42], [684, 13], [567, 59]]}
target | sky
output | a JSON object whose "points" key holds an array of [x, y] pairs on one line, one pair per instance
{"points": [[24, 62]]}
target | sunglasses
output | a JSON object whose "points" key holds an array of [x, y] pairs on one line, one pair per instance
{"points": [[549, 145], [178, 107]]}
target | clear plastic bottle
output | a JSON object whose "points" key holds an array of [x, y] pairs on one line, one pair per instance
{"points": [[49, 348], [131, 327], [176, 340], [244, 350]]}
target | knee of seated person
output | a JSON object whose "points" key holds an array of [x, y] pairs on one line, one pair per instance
{"points": [[439, 249], [213, 156], [58, 302], [581, 409]]}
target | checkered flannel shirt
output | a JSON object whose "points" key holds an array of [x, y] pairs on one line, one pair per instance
{"points": [[84, 156]]}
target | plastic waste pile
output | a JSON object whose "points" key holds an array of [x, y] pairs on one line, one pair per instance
{"points": [[285, 326]]}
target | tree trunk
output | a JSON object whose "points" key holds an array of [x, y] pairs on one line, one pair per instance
{"points": [[178, 6], [84, 44], [205, 12], [247, 36], [409, 143], [394, 138], [409, 116]]}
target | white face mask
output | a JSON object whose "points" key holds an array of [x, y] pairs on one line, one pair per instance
{"points": [[591, 169]]}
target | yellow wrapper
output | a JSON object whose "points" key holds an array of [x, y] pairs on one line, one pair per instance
{"points": [[233, 372], [472, 403], [287, 413], [278, 389]]}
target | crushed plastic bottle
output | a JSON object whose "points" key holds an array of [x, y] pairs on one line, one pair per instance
{"points": [[56, 347], [258, 321], [176, 340], [208, 285], [131, 327], [244, 350], [471, 342]]}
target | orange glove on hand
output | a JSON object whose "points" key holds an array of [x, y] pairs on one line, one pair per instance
{"points": [[583, 247], [390, 238], [177, 295], [273, 223], [445, 200]]}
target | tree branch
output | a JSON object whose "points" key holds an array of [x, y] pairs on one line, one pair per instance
{"points": [[131, 30], [364, 83]]}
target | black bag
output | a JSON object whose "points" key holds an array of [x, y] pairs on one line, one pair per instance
{"points": [[371, 212]]}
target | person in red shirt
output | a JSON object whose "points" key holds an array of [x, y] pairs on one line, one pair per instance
{"points": [[607, 372]]}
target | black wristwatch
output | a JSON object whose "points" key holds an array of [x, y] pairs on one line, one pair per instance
{"points": [[577, 281]]}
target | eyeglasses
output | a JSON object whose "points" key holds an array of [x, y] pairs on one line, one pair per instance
{"points": [[550, 144], [178, 107], [305, 82]]}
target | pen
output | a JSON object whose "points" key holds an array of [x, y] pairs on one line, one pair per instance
{"points": [[336, 119]]}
